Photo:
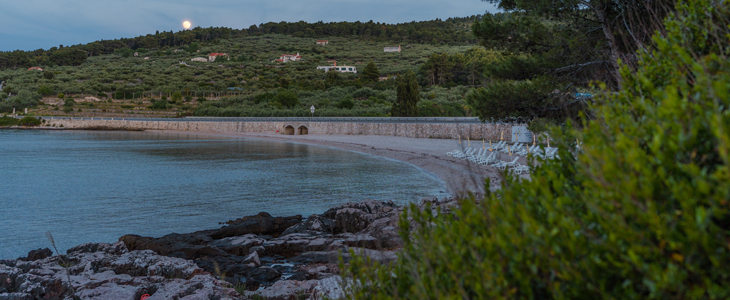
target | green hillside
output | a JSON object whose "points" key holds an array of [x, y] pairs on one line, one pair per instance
{"points": [[161, 80]]}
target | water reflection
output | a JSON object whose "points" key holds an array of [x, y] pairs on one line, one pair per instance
{"points": [[98, 186]]}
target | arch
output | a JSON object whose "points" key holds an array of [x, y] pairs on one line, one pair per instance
{"points": [[289, 130], [302, 130]]}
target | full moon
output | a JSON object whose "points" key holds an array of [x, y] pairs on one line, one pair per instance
{"points": [[186, 24]]}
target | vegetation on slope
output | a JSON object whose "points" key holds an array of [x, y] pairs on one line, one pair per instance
{"points": [[640, 211]]}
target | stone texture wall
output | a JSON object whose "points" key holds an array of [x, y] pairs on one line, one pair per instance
{"points": [[415, 130]]}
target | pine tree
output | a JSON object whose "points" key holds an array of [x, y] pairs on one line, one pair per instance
{"points": [[371, 72], [406, 104]]}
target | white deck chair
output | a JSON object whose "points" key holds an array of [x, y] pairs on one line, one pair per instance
{"points": [[489, 159], [518, 168], [524, 152], [504, 165], [516, 146], [473, 158]]}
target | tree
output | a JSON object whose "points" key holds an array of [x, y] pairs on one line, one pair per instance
{"points": [[287, 98], [370, 73], [406, 104], [176, 97], [333, 77], [45, 90], [49, 75], [638, 211], [562, 46]]}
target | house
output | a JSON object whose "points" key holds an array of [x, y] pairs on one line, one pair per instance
{"points": [[323, 43], [203, 59], [136, 54], [212, 57], [35, 68], [341, 69], [392, 49], [382, 78], [289, 57]]}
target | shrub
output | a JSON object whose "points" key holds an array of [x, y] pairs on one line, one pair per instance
{"points": [[346, 103], [287, 98], [29, 121], [642, 211], [8, 121], [159, 104]]}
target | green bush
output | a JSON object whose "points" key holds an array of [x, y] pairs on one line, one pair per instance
{"points": [[159, 104], [642, 211], [8, 121], [29, 121]]}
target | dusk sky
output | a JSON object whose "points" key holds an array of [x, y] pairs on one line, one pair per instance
{"points": [[34, 24]]}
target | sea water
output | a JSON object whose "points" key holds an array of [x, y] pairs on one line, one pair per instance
{"points": [[92, 186]]}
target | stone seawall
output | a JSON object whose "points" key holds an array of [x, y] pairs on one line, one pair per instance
{"points": [[475, 131]]}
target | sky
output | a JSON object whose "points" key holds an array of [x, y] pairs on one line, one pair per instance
{"points": [[34, 24]]}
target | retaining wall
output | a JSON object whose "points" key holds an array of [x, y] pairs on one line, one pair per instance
{"points": [[477, 131]]}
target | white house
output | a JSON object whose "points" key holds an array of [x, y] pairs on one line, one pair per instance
{"points": [[203, 59], [289, 57], [35, 68], [392, 49], [323, 42], [341, 69], [212, 57]]}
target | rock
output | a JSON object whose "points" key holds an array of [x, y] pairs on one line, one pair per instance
{"points": [[285, 290], [15, 296], [188, 246], [316, 257], [329, 288], [37, 254], [314, 225], [264, 274], [252, 258], [238, 245], [263, 223], [116, 248], [257, 249], [109, 271]]}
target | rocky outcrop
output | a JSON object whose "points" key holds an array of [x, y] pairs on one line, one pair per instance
{"points": [[108, 271], [263, 256]]}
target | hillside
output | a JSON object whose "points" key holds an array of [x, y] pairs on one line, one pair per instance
{"points": [[248, 81]]}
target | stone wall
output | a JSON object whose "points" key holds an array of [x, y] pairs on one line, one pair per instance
{"points": [[478, 131]]}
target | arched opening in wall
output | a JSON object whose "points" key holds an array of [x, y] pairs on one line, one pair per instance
{"points": [[303, 130], [289, 130]]}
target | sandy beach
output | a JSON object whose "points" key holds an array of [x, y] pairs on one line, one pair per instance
{"points": [[460, 176]]}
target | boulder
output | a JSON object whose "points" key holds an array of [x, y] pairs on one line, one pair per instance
{"points": [[262, 223], [37, 254]]}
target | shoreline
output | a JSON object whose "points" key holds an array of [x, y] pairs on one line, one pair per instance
{"points": [[460, 176]]}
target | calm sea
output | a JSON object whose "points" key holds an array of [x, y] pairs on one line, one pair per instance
{"points": [[97, 186]]}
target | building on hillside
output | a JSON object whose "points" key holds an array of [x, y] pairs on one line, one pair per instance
{"points": [[341, 69], [213, 56], [203, 59], [289, 57], [382, 78], [323, 43], [35, 68], [392, 49], [136, 54]]}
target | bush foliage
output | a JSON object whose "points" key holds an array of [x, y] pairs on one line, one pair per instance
{"points": [[641, 211]]}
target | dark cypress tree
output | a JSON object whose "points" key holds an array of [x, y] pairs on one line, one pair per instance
{"points": [[406, 104], [370, 73]]}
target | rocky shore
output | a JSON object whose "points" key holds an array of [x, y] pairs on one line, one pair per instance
{"points": [[254, 257]]}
